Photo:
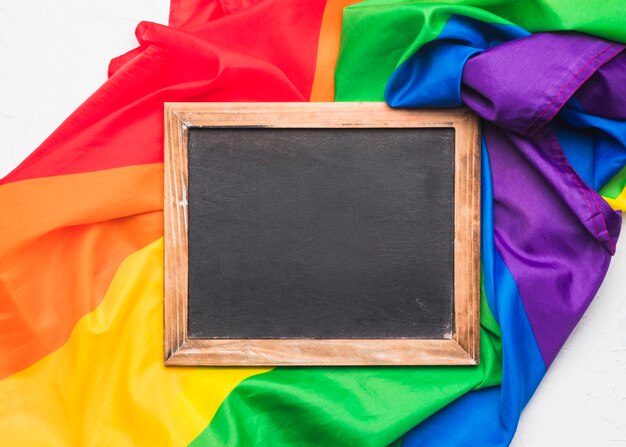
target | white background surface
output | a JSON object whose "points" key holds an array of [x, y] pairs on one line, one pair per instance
{"points": [[54, 54]]}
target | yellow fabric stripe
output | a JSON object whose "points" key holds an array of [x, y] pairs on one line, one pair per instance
{"points": [[107, 385], [618, 203]]}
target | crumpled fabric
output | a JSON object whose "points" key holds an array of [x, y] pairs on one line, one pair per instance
{"points": [[553, 231]]}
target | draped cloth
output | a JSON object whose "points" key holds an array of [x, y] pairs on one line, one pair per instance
{"points": [[552, 230], [81, 270]]}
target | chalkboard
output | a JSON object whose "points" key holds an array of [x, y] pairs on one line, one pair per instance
{"points": [[332, 233]]}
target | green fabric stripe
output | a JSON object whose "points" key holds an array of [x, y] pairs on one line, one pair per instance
{"points": [[603, 18], [615, 186], [388, 32], [488, 323], [346, 406]]}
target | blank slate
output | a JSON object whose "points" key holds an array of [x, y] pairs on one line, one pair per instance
{"points": [[320, 234]]}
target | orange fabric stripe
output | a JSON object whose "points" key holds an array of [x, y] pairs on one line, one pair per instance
{"points": [[61, 241], [37, 206], [328, 50]]}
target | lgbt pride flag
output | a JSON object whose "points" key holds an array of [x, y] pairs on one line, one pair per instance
{"points": [[81, 268]]}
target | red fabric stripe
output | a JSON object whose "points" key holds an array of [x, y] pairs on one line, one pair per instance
{"points": [[233, 58]]}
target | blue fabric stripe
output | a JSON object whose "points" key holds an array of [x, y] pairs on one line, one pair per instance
{"points": [[594, 146], [487, 244]]}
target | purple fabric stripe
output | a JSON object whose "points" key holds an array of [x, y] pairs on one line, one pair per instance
{"points": [[520, 85], [557, 263], [555, 234], [605, 93]]}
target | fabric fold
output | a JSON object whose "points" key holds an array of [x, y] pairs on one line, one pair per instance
{"points": [[553, 232], [518, 87], [522, 84]]}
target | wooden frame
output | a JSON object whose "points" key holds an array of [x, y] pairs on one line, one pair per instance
{"points": [[463, 346]]}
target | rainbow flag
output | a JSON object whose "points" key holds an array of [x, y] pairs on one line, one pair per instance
{"points": [[81, 248]]}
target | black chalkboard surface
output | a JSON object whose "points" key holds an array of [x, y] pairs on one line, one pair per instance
{"points": [[317, 233], [298, 237]]}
